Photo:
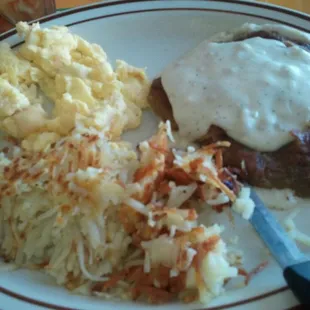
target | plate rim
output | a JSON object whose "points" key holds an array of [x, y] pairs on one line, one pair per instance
{"points": [[48, 305], [72, 11], [88, 7]]}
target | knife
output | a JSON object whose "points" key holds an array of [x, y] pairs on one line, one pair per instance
{"points": [[295, 265]]}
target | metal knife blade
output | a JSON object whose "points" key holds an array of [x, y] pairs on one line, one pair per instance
{"points": [[283, 249]]}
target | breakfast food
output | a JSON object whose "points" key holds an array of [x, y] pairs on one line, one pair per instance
{"points": [[87, 208], [76, 76], [253, 81], [90, 213]]}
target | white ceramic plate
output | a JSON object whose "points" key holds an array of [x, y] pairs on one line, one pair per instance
{"points": [[153, 33]]}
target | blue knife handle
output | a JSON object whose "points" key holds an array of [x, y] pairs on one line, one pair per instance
{"points": [[298, 279]]}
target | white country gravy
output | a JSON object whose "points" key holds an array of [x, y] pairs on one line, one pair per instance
{"points": [[258, 90]]}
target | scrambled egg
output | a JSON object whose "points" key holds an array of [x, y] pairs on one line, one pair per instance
{"points": [[77, 77], [18, 80]]}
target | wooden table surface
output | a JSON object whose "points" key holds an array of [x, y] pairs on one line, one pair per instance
{"points": [[301, 5]]}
